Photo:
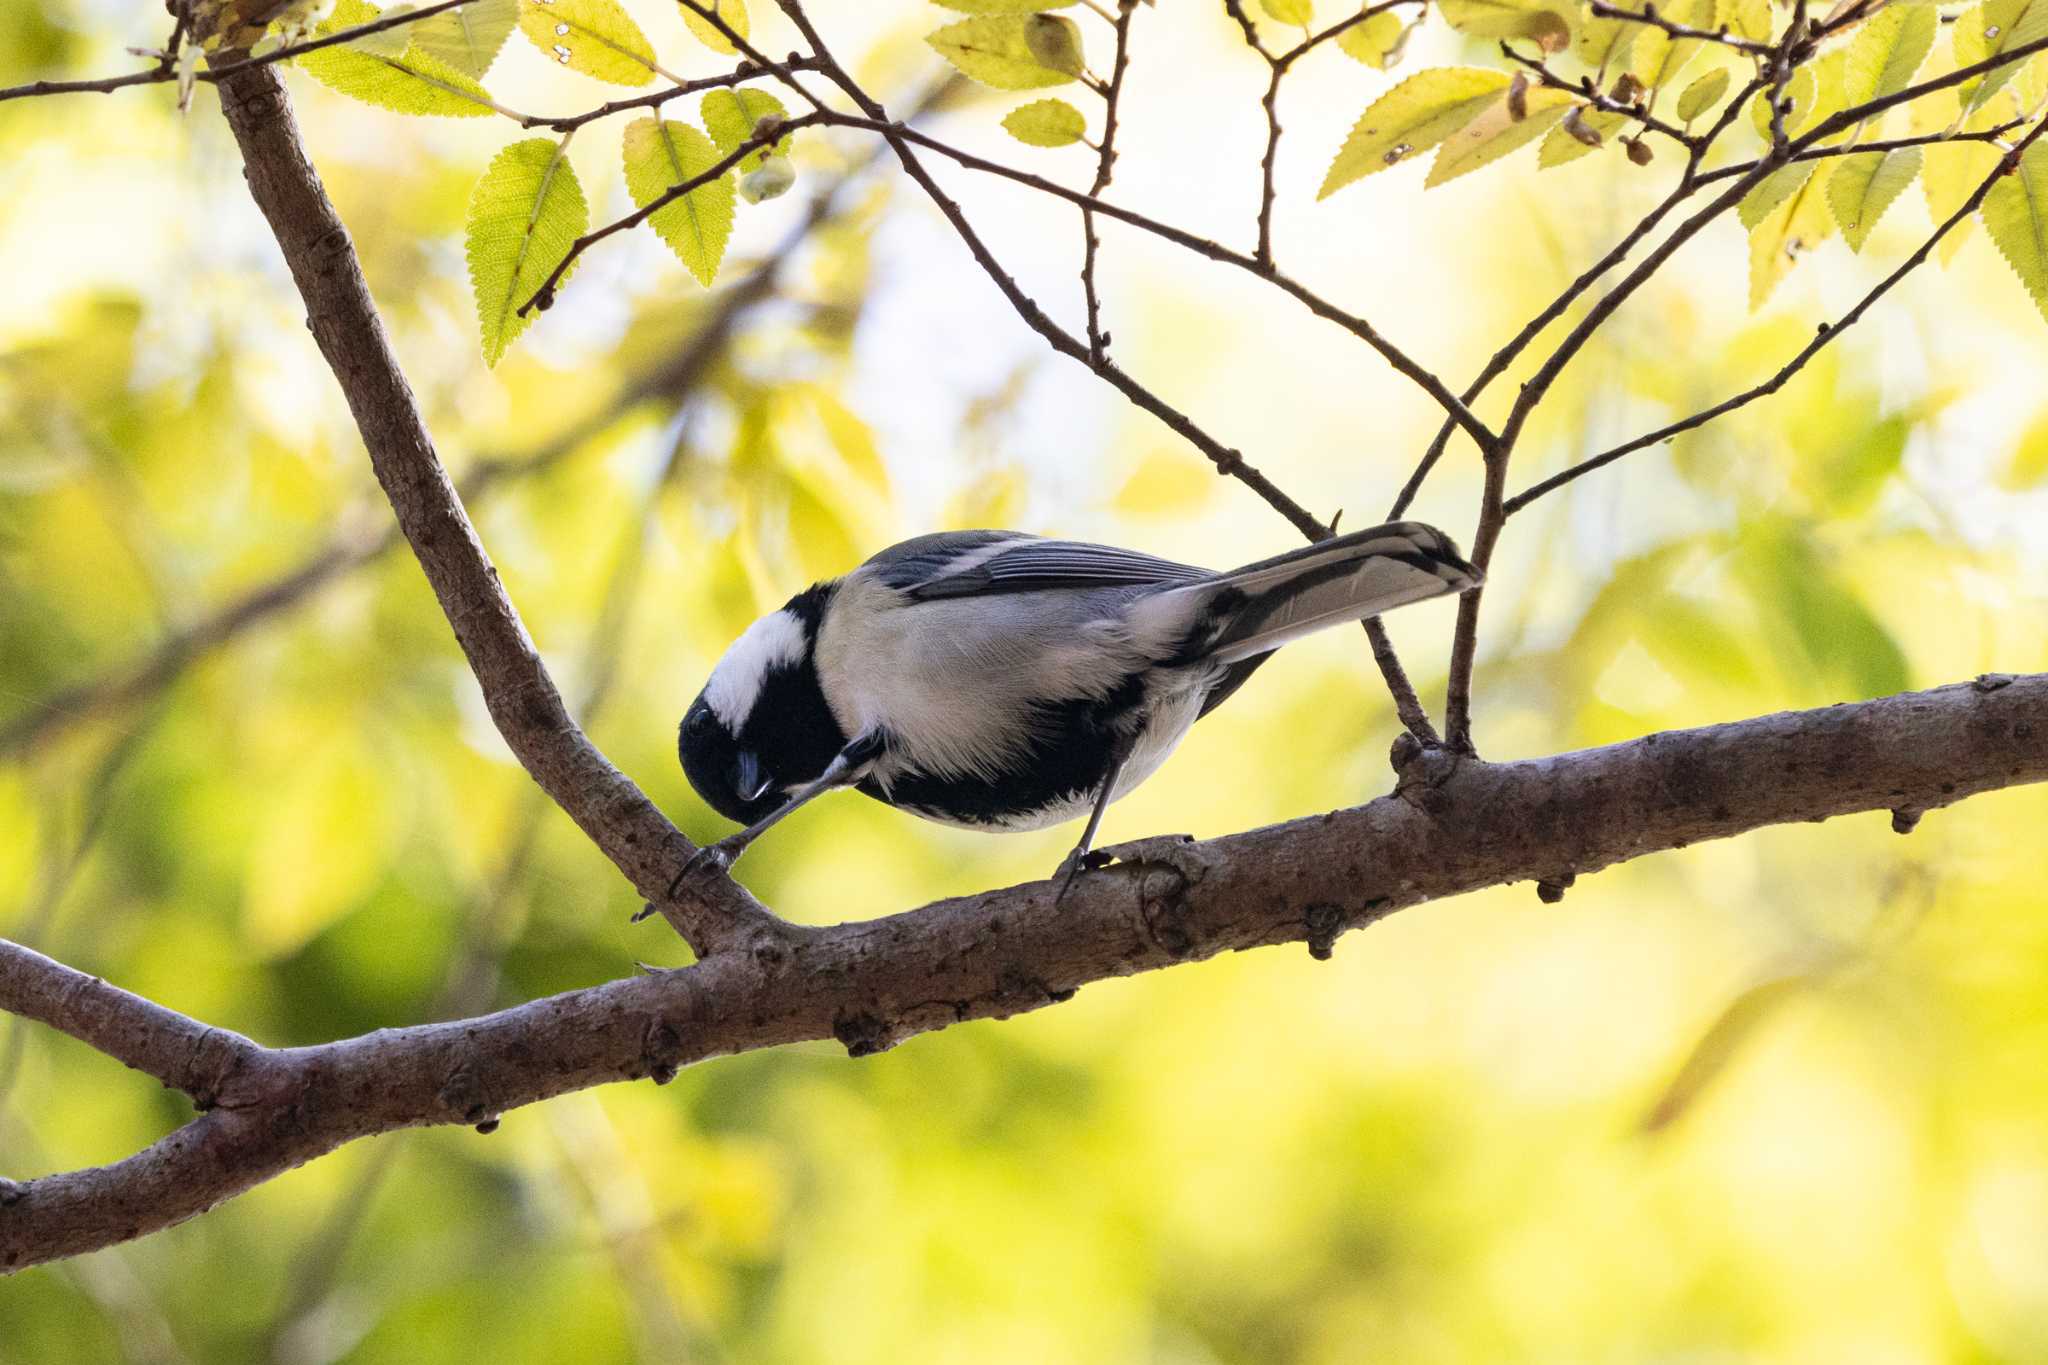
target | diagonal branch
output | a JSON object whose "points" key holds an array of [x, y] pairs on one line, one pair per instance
{"points": [[1453, 825], [522, 698]]}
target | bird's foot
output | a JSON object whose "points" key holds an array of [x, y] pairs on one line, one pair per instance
{"points": [[1073, 865], [712, 859]]}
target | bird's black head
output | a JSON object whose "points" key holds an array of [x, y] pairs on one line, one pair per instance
{"points": [[761, 727]]}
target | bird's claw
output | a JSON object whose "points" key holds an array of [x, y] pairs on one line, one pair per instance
{"points": [[714, 858], [1073, 865]]}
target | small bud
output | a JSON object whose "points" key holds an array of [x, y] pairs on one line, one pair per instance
{"points": [[768, 126], [1518, 96], [1639, 151], [1055, 43], [1628, 90], [1575, 125], [770, 179]]}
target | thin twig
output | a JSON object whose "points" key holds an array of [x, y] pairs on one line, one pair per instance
{"points": [[1105, 166], [1825, 334], [1648, 15]]}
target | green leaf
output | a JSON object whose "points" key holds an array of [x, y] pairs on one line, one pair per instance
{"points": [[1495, 133], [1987, 30], [1745, 18], [1953, 170], [1655, 57], [730, 116], [2028, 466], [388, 42], [660, 154], [523, 216], [1046, 123], [733, 12], [1002, 6], [1507, 19], [412, 84], [595, 37], [1864, 185], [992, 50], [1300, 13], [1702, 95], [1772, 191], [1830, 623], [1411, 118], [1559, 146], [1795, 227], [1887, 52], [1374, 40], [467, 39], [2016, 215]]}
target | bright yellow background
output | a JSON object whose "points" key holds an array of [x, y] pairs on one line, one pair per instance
{"points": [[1433, 1148]]}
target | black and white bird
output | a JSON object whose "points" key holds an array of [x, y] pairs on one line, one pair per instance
{"points": [[995, 680]]}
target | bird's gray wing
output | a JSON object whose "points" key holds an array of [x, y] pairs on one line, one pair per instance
{"points": [[980, 563]]}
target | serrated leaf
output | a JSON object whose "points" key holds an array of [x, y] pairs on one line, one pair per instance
{"points": [[387, 42], [660, 154], [2028, 466], [1990, 29], [1952, 169], [1702, 95], [1300, 13], [1495, 133], [1864, 184], [411, 84], [1745, 18], [1559, 146], [1411, 118], [1046, 123], [1803, 90], [730, 116], [992, 50], [1887, 52], [1792, 229], [595, 37], [523, 215], [732, 12], [2016, 215], [1002, 6], [467, 39], [1773, 190], [1373, 40], [1655, 57], [1507, 19]]}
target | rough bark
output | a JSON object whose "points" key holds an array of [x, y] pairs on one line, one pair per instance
{"points": [[1452, 825]]}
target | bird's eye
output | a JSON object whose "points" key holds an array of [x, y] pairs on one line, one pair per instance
{"points": [[699, 722]]}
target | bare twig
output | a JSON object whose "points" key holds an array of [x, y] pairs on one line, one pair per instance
{"points": [[1105, 166], [1825, 334], [1648, 15]]}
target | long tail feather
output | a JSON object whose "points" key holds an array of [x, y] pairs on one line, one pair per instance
{"points": [[1262, 606]]}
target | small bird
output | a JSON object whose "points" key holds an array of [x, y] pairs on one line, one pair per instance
{"points": [[996, 680]]}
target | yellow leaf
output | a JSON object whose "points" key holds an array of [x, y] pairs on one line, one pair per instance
{"points": [[2016, 215], [595, 37], [1495, 133], [1792, 229], [732, 12], [1412, 117]]}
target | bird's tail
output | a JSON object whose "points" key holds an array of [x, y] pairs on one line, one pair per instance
{"points": [[1262, 606]]}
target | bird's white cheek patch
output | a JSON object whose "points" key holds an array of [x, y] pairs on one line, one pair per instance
{"points": [[775, 640]]}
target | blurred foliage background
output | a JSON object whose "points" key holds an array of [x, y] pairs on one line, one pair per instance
{"points": [[1777, 1099]]}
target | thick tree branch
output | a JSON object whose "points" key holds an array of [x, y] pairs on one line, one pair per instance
{"points": [[522, 698], [1452, 825]]}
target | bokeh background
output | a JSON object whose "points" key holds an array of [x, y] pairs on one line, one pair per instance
{"points": [[1775, 1099]]}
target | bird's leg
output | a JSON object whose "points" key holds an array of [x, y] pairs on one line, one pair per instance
{"points": [[843, 771], [1070, 867]]}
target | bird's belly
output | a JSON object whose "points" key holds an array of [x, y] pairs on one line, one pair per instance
{"points": [[1060, 784]]}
